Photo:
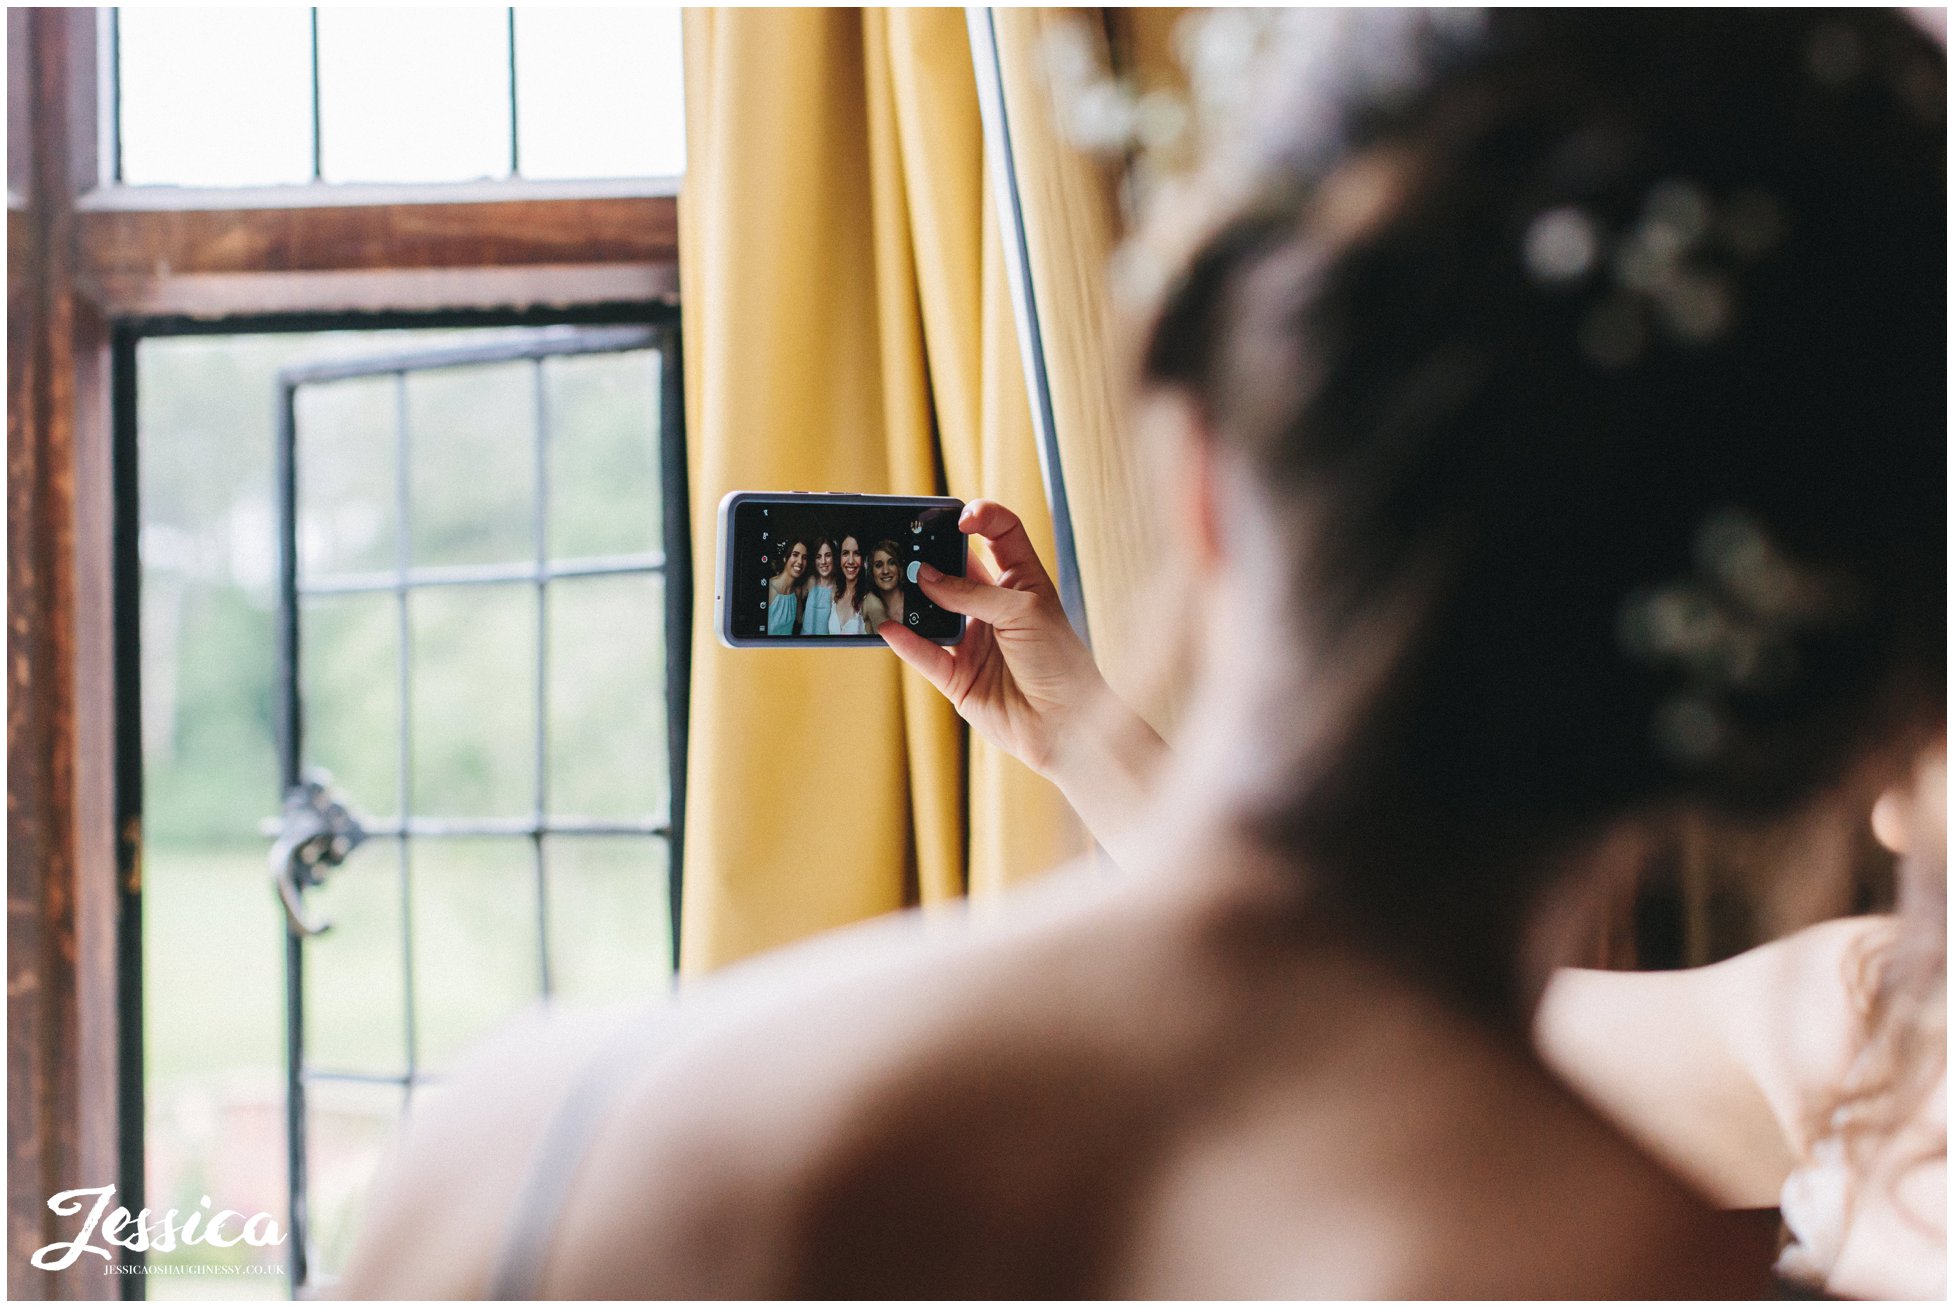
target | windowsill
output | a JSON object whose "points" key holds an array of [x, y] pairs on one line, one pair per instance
{"points": [[216, 296], [321, 195]]}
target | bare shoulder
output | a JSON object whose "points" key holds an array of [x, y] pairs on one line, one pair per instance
{"points": [[1589, 1214], [1038, 1109], [835, 1112], [773, 1090], [1423, 1155], [444, 1200], [1143, 1100]]}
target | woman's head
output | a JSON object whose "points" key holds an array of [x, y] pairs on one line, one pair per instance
{"points": [[1587, 370], [793, 564], [885, 566], [851, 567], [824, 560]]}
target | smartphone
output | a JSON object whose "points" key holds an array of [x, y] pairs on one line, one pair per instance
{"points": [[799, 569]]}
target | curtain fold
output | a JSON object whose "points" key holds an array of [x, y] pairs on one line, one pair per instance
{"points": [[1072, 228], [847, 327]]}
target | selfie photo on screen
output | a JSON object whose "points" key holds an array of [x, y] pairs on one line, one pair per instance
{"points": [[831, 569]]}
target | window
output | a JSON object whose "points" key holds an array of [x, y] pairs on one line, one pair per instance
{"points": [[524, 336], [481, 676], [257, 97]]}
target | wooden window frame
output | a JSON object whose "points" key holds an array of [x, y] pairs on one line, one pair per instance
{"points": [[87, 262]]}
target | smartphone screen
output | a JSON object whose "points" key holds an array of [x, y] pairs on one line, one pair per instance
{"points": [[801, 569]]}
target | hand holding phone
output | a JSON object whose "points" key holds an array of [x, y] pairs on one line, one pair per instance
{"points": [[826, 570], [1022, 676]]}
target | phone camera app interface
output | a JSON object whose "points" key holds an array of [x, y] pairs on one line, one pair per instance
{"points": [[806, 572]]}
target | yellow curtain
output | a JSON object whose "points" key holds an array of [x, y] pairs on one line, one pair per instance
{"points": [[847, 327], [1072, 228]]}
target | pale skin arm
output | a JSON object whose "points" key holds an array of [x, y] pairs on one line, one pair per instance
{"points": [[1026, 682], [1725, 1070], [1717, 1070]]}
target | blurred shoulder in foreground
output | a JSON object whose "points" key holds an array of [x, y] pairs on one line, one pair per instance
{"points": [[1137, 1089]]}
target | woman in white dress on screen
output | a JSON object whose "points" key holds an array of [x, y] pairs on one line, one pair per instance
{"points": [[819, 604], [845, 618]]}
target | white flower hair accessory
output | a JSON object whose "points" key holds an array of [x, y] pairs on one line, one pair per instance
{"points": [[1673, 271], [1732, 628]]}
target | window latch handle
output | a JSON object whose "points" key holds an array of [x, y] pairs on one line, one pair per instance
{"points": [[316, 833]]}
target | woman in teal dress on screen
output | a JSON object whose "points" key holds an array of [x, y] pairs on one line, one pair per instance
{"points": [[819, 607], [784, 590]]}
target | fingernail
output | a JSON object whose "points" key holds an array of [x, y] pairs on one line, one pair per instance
{"points": [[927, 573]]}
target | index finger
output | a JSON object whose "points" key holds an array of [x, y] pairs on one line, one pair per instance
{"points": [[1018, 564]]}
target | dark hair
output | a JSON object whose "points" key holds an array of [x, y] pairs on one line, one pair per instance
{"points": [[811, 577], [800, 582], [1594, 362], [844, 589], [894, 551]]}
